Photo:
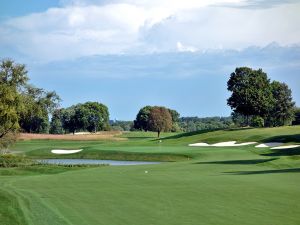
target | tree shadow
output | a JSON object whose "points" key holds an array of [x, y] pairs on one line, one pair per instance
{"points": [[239, 162], [188, 134], [241, 128], [295, 170], [283, 152], [283, 138]]}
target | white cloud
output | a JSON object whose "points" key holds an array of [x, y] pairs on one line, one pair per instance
{"points": [[82, 28], [183, 48]]}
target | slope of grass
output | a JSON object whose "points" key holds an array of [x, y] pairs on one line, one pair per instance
{"points": [[289, 134], [211, 186]]}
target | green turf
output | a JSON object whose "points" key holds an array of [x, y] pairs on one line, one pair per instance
{"points": [[205, 186]]}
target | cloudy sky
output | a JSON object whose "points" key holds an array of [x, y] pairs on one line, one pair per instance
{"points": [[131, 53]]}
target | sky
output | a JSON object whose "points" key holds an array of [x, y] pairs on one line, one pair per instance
{"points": [[131, 53]]}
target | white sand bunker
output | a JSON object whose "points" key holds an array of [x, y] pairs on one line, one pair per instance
{"points": [[222, 144], [232, 144], [64, 151], [199, 145], [268, 145], [286, 147]]}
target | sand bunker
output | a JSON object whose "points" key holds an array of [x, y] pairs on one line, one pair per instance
{"points": [[232, 144], [222, 144], [64, 151], [199, 145], [268, 145], [286, 147]]}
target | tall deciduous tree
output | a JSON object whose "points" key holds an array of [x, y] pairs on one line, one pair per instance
{"points": [[90, 116], [297, 116], [160, 120], [97, 116], [56, 126], [68, 119], [38, 105], [282, 111], [251, 92], [13, 77], [142, 118]]}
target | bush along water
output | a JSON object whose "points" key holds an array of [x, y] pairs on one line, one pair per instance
{"points": [[9, 160]]}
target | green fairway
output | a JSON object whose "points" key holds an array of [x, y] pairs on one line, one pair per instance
{"points": [[194, 186]]}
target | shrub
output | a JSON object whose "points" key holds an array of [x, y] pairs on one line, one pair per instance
{"points": [[9, 160], [257, 121]]}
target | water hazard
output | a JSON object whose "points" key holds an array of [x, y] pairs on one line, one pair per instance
{"points": [[93, 162]]}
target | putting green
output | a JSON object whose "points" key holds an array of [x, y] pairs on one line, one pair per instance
{"points": [[209, 186]]}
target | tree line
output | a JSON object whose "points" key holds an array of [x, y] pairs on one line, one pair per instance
{"points": [[255, 101], [184, 124], [23, 106], [89, 116]]}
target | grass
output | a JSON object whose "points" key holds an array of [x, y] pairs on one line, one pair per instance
{"points": [[205, 186]]}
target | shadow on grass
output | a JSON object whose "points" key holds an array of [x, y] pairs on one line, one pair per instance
{"points": [[283, 152], [239, 129], [239, 162], [295, 170], [284, 138], [188, 134]]}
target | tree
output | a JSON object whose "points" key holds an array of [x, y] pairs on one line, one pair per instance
{"points": [[297, 116], [189, 124], [121, 125], [38, 105], [12, 79], [56, 126], [160, 120], [282, 111], [97, 116], [90, 116], [175, 119], [251, 92], [9, 107], [142, 118], [68, 119]]}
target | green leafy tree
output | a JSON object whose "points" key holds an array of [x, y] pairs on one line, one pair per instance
{"points": [[251, 92], [97, 116], [38, 105], [189, 124], [160, 120], [257, 121], [282, 111], [175, 119], [296, 120], [13, 77], [68, 120], [56, 126], [142, 118], [90, 116]]}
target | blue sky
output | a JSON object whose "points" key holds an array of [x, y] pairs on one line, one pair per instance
{"points": [[131, 53]]}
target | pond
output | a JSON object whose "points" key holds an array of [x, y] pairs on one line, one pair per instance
{"points": [[93, 162]]}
